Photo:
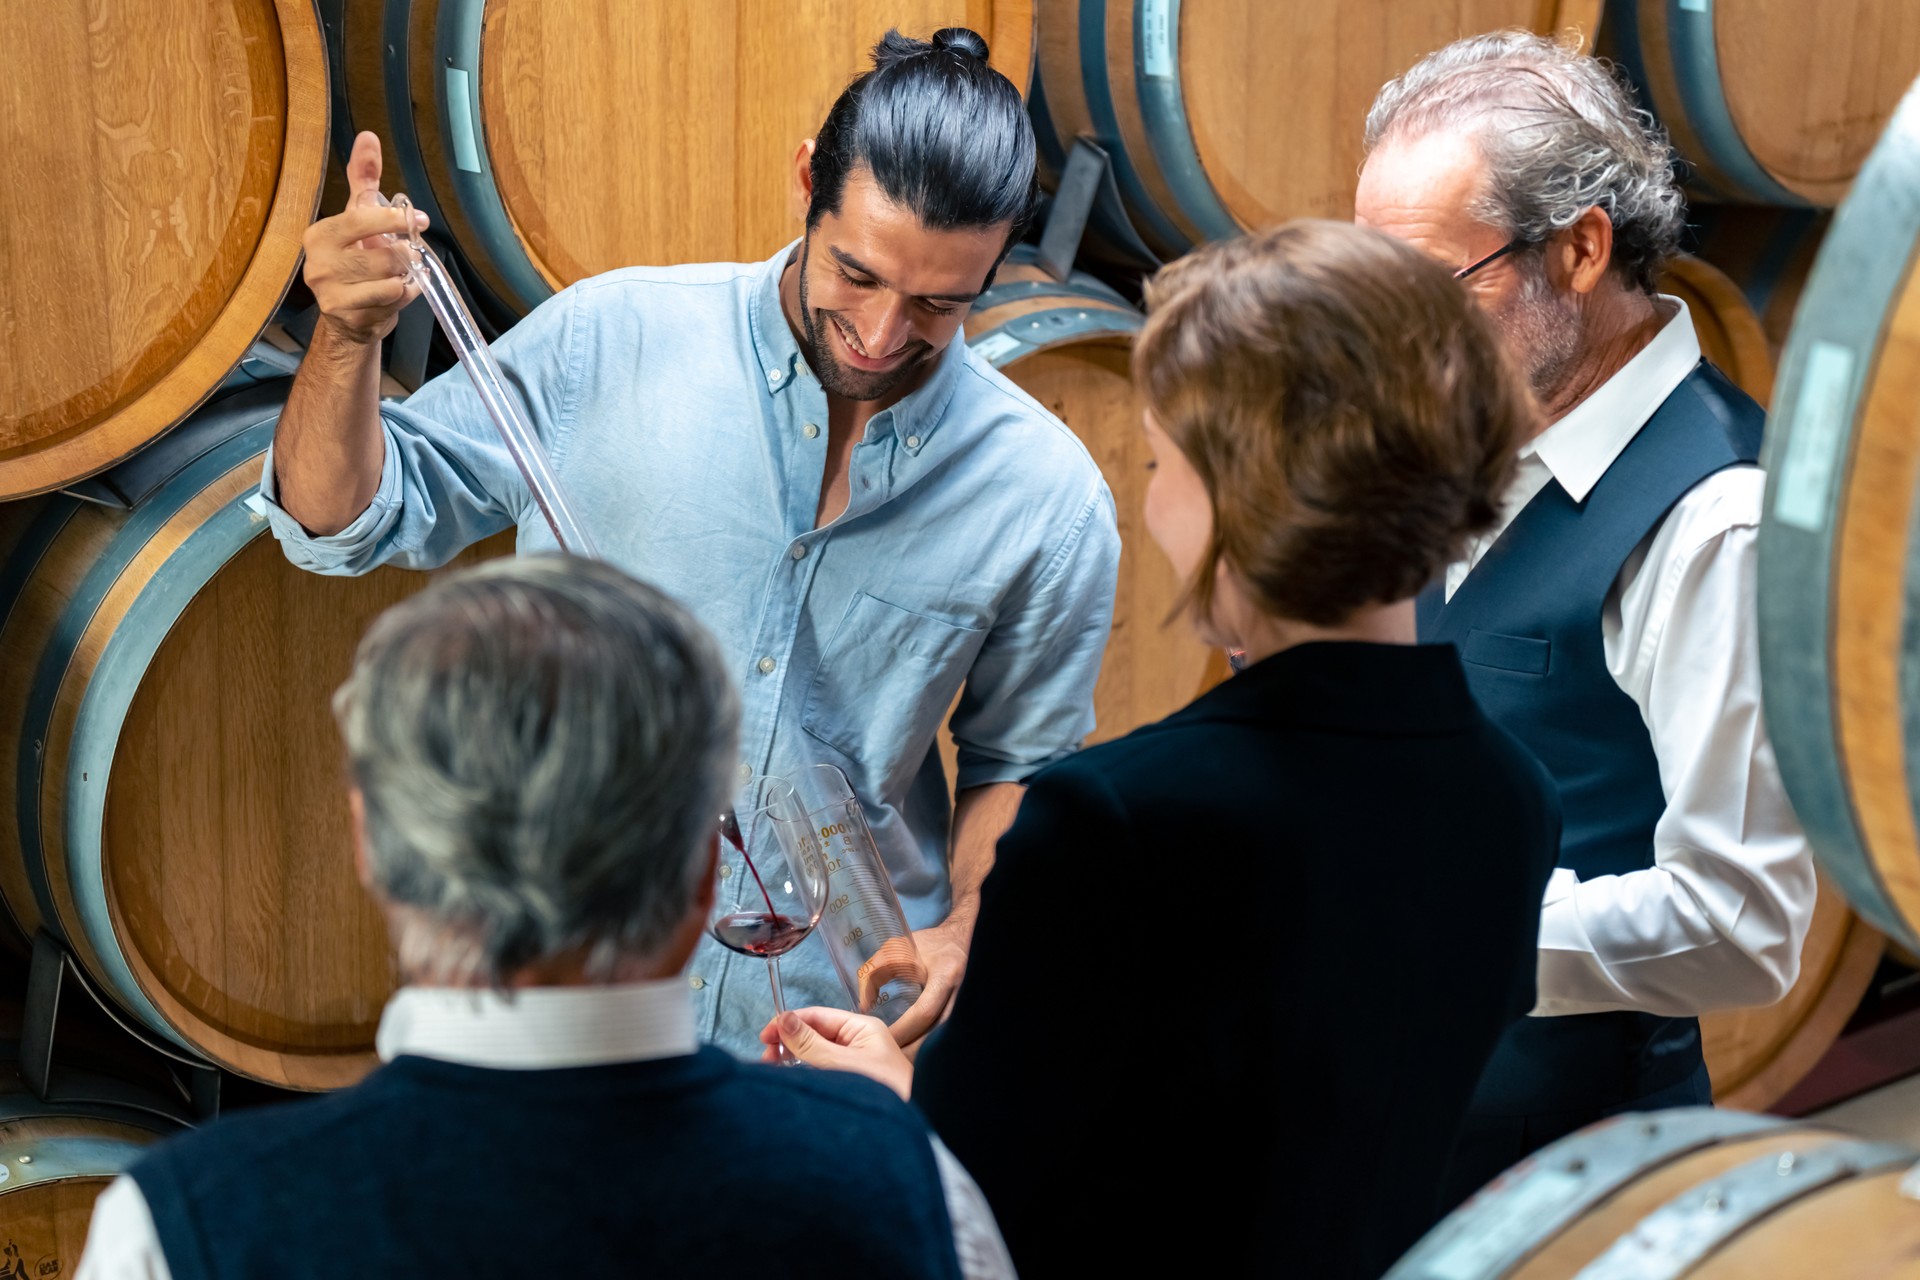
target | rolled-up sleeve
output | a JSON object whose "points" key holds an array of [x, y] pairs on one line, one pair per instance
{"points": [[1029, 698], [447, 480]]}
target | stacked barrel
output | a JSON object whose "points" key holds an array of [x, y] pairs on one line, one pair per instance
{"points": [[170, 811]]}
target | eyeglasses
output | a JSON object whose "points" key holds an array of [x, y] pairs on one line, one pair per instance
{"points": [[1495, 256]]}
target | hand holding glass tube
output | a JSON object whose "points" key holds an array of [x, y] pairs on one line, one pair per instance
{"points": [[457, 323]]}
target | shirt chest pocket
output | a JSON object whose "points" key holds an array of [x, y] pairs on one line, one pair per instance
{"points": [[885, 680]]}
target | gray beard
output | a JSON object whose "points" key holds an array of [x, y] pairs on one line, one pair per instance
{"points": [[1543, 329]]}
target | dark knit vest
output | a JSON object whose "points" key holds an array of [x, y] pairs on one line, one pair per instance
{"points": [[688, 1166], [1527, 623]]}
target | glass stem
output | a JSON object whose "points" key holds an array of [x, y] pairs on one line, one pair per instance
{"points": [[773, 980], [779, 1007]]}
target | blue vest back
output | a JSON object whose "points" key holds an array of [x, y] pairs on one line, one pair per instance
{"points": [[685, 1166], [1527, 623]]}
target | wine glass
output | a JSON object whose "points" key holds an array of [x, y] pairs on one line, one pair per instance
{"points": [[767, 905]]}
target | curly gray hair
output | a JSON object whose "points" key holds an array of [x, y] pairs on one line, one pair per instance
{"points": [[1561, 135], [541, 746]]}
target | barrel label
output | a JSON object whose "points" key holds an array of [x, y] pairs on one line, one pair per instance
{"points": [[466, 151], [994, 348], [1820, 418], [1156, 37]]}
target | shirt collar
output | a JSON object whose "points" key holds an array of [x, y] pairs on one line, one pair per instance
{"points": [[773, 343], [913, 418], [539, 1027], [1580, 447]]}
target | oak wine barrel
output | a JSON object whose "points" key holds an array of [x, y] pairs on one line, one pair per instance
{"points": [[1694, 1192], [169, 772], [55, 1160], [1067, 344], [556, 140], [1756, 1056], [1769, 101], [1730, 333], [163, 159], [1768, 251], [1837, 580], [1234, 115]]}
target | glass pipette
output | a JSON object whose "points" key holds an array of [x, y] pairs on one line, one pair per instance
{"points": [[457, 323]]}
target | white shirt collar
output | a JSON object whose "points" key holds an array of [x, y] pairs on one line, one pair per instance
{"points": [[540, 1027], [1580, 447]]}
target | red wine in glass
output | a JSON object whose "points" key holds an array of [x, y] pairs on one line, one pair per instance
{"points": [[759, 933], [769, 934], [730, 828]]}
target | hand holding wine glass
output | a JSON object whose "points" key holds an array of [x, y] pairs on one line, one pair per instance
{"points": [[773, 907], [836, 1040]]}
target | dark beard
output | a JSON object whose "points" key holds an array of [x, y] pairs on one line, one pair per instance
{"points": [[837, 378]]}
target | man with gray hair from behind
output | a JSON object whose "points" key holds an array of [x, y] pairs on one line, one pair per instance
{"points": [[1608, 620], [537, 750]]}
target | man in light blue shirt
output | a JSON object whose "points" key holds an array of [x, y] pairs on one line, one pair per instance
{"points": [[803, 451]]}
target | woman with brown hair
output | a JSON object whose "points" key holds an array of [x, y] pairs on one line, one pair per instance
{"points": [[1236, 974]]}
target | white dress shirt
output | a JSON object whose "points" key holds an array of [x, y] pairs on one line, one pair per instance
{"points": [[540, 1027], [1718, 920]]}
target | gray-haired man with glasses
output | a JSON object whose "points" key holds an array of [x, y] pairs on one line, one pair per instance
{"points": [[1609, 621]]}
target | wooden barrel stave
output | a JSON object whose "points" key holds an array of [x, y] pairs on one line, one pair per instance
{"points": [[1208, 138], [1691, 1192], [1839, 1234], [1761, 112], [1730, 333], [186, 143], [503, 141], [1768, 252], [55, 1160], [1835, 588], [181, 822], [1066, 344], [1755, 1056]]}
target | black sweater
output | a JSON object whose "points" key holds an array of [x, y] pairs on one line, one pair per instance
{"points": [[1236, 974]]}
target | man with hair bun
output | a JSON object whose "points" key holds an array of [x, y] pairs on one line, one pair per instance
{"points": [[535, 750], [1319, 888], [1608, 619], [867, 516]]}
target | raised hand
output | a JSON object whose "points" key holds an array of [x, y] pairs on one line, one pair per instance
{"points": [[358, 275]]}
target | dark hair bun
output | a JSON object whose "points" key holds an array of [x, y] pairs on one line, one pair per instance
{"points": [[895, 48], [961, 40], [938, 129]]}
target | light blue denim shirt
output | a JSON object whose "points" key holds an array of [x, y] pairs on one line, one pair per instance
{"points": [[978, 548]]}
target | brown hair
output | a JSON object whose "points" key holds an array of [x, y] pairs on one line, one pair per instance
{"points": [[1347, 406]]}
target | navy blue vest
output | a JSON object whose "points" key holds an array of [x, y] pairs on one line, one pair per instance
{"points": [[690, 1166], [1527, 623]]}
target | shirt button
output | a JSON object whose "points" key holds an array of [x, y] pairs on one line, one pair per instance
{"points": [[746, 772], [773, 375], [766, 666], [726, 872], [913, 442], [799, 551], [696, 982], [810, 431]]}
